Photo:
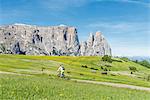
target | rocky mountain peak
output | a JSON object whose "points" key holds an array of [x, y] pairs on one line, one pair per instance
{"points": [[50, 40], [98, 34], [95, 45]]}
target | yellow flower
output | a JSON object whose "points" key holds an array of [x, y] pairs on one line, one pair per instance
{"points": [[61, 95]]}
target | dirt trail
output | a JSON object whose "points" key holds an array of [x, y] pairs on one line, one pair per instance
{"points": [[114, 84], [96, 82], [2, 72]]}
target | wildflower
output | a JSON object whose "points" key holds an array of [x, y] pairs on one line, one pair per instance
{"points": [[61, 95]]}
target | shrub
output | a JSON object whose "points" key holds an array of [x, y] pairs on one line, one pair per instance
{"points": [[108, 65], [148, 77], [116, 60], [136, 61], [132, 68], [84, 66], [81, 74], [125, 59], [107, 58], [42, 69], [144, 63], [104, 73], [68, 72], [93, 68], [105, 69], [113, 74]]}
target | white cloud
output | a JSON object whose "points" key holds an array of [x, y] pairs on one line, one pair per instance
{"points": [[139, 2], [122, 27], [59, 5]]}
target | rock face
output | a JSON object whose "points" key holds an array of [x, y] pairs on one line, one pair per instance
{"points": [[95, 45], [52, 40]]}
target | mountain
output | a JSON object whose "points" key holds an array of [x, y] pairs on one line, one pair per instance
{"points": [[95, 45], [50, 40], [140, 58]]}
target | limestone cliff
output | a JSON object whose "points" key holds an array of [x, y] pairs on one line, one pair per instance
{"points": [[95, 45], [51, 40]]}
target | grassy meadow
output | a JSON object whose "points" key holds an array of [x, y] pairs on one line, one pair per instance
{"points": [[16, 87], [34, 78], [119, 71]]}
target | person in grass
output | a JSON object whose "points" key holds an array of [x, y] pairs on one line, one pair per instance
{"points": [[61, 71]]}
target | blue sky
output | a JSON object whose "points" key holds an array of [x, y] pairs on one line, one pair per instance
{"points": [[124, 23]]}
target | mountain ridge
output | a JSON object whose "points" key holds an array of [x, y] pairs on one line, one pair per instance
{"points": [[49, 40]]}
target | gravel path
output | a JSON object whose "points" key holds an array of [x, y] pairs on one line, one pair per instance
{"points": [[2, 72], [96, 82], [114, 84]]}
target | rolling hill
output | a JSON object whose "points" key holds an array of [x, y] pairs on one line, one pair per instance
{"points": [[117, 72]]}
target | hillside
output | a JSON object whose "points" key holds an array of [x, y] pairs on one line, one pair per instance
{"points": [[35, 78], [117, 71]]}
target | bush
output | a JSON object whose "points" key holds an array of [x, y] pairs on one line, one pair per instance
{"points": [[68, 72], [84, 66], [93, 68], [108, 65], [107, 58], [144, 63], [113, 74], [81, 74], [125, 59], [148, 77], [132, 68], [105, 69], [43, 68], [136, 61], [116, 60], [104, 73]]}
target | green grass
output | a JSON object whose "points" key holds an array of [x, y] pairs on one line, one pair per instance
{"points": [[43, 87], [33, 65]]}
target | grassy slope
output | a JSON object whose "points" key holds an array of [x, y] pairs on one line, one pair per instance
{"points": [[33, 65], [47, 88]]}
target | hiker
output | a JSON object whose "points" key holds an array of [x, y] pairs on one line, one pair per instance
{"points": [[61, 71]]}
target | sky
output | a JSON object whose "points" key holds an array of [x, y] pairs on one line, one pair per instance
{"points": [[124, 23]]}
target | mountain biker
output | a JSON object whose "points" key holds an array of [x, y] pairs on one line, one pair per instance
{"points": [[61, 71]]}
